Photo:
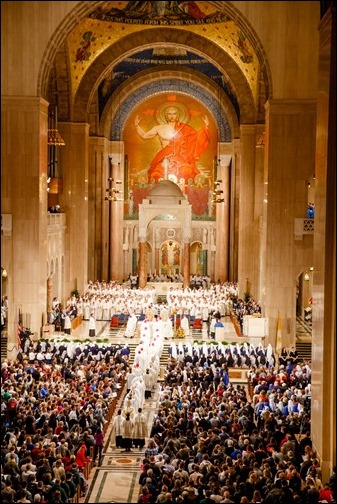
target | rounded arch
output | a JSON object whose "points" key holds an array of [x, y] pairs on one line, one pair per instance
{"points": [[55, 66], [149, 38], [170, 81]]}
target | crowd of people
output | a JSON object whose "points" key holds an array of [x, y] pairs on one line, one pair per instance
{"points": [[211, 441], [54, 402], [105, 299]]}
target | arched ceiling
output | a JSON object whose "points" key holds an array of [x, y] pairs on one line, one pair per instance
{"points": [[121, 47]]}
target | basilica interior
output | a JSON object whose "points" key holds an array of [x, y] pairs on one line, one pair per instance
{"points": [[173, 139]]}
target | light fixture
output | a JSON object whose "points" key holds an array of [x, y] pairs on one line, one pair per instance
{"points": [[4, 273], [306, 276], [260, 143], [112, 191], [54, 137], [217, 192]]}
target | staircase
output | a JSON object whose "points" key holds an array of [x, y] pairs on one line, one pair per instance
{"points": [[163, 357], [303, 328], [303, 349], [4, 341]]}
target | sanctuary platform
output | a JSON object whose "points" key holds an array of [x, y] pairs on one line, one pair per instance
{"points": [[163, 288]]}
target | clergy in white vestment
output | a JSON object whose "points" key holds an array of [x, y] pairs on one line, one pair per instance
{"points": [[168, 329], [131, 326], [164, 314], [128, 407], [86, 310], [137, 394], [185, 325], [180, 352], [188, 347], [129, 377], [173, 347], [269, 352]]}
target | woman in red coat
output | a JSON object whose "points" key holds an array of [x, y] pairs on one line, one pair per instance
{"points": [[81, 456]]}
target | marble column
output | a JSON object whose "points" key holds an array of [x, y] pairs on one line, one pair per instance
{"points": [[142, 265], [323, 360], [279, 255], [186, 265], [49, 294], [222, 219], [116, 235], [74, 201], [24, 123], [248, 250], [156, 259], [98, 209]]}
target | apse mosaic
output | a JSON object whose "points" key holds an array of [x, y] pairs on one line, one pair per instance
{"points": [[185, 153], [174, 137], [155, 58], [114, 20]]}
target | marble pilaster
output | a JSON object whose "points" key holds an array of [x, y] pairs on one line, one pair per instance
{"points": [[24, 196], [74, 201], [323, 406], [289, 163], [142, 265], [186, 265]]}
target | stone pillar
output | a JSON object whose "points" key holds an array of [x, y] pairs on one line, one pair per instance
{"points": [[74, 201], [116, 235], [156, 259], [222, 218], [24, 123], [49, 294], [248, 257], [186, 265], [142, 265], [282, 257], [323, 360], [98, 209]]}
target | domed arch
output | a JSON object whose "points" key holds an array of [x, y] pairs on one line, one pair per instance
{"points": [[144, 85], [149, 38], [54, 77]]}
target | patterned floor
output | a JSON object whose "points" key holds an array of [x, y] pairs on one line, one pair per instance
{"points": [[116, 480]]}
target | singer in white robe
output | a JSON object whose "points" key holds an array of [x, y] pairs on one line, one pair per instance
{"points": [[184, 324], [131, 326], [168, 329]]}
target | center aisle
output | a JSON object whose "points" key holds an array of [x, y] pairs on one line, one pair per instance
{"points": [[116, 480]]}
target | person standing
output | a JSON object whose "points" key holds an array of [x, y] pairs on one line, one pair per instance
{"points": [[117, 430], [140, 430], [218, 323], [92, 326], [128, 432], [67, 323], [98, 445], [148, 384], [212, 327]]}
